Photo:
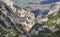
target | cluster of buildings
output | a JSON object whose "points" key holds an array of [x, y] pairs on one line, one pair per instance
{"points": [[26, 18]]}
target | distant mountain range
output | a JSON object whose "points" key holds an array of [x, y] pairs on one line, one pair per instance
{"points": [[49, 1], [35, 5]]}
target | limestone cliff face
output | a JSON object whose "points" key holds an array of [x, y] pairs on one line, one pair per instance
{"points": [[7, 16], [10, 4], [55, 8]]}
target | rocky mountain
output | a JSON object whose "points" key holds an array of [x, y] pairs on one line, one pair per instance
{"points": [[55, 8], [18, 22], [8, 20], [20, 16], [10, 4]]}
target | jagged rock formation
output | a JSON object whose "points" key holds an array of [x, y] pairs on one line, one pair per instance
{"points": [[10, 4], [55, 8]]}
